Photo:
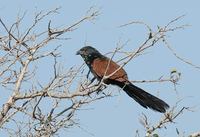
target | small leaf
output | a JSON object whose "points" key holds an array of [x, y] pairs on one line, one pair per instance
{"points": [[155, 135], [173, 71]]}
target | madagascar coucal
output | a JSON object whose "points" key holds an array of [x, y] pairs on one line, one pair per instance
{"points": [[104, 68]]}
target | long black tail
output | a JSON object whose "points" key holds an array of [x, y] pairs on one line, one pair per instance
{"points": [[145, 99]]}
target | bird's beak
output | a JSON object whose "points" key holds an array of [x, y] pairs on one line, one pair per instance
{"points": [[78, 52]]}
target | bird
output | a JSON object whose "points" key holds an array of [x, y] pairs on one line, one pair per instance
{"points": [[106, 70]]}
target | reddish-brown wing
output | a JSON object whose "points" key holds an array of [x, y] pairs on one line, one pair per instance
{"points": [[105, 67]]}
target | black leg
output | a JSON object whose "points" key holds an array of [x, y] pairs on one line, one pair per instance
{"points": [[88, 74], [91, 81]]}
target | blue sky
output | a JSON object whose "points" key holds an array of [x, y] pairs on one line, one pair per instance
{"points": [[118, 116]]}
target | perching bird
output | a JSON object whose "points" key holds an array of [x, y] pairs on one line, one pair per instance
{"points": [[103, 67]]}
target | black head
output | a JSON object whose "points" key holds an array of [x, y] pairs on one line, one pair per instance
{"points": [[89, 53]]}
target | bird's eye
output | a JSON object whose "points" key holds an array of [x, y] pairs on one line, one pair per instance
{"points": [[85, 52]]}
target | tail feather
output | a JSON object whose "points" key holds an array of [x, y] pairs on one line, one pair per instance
{"points": [[145, 99]]}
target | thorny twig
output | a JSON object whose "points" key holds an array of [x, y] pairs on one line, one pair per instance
{"points": [[168, 117], [19, 51]]}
